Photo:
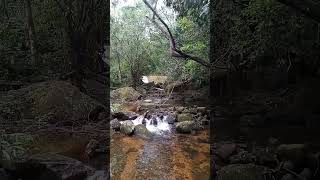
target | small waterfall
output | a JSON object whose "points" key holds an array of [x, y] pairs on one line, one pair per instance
{"points": [[155, 124]]}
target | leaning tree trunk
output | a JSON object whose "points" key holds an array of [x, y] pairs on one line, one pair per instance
{"points": [[32, 34]]}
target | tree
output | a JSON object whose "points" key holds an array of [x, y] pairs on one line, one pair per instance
{"points": [[32, 34], [129, 43], [86, 30], [175, 51]]}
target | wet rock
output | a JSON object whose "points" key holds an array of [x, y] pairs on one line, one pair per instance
{"points": [[132, 115], [125, 94], [243, 157], [154, 121], [54, 167], [224, 151], [144, 121], [184, 117], [306, 174], [184, 127], [122, 116], [294, 152], [141, 131], [115, 124], [127, 127], [241, 171], [170, 119]]}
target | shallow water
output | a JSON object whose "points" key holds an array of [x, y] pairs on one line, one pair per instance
{"points": [[166, 156]]}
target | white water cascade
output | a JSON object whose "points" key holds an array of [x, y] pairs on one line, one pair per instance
{"points": [[160, 127]]}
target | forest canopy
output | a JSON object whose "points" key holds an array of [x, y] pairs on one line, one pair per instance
{"points": [[139, 47]]}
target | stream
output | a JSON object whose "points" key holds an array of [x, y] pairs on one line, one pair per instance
{"points": [[167, 155]]}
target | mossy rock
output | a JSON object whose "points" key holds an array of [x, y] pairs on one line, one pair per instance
{"points": [[127, 127], [125, 94], [51, 101], [185, 126], [141, 131], [184, 117]]}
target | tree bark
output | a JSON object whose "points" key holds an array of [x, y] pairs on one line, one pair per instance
{"points": [[308, 7], [32, 34]]}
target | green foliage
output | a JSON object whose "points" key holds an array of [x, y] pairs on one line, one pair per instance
{"points": [[137, 45], [267, 32]]}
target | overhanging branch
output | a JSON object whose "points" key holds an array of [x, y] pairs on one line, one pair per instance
{"points": [[174, 51]]}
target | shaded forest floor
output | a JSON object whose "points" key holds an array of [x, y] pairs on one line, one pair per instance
{"points": [[273, 134], [50, 129]]}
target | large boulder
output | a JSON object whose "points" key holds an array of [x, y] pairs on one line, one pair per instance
{"points": [[125, 94], [127, 127], [185, 127], [184, 117], [241, 172], [141, 131], [49, 102], [54, 167]]}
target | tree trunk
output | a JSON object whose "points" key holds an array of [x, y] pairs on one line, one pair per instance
{"points": [[32, 34]]}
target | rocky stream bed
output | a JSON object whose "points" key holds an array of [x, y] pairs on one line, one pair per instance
{"points": [[164, 140]]}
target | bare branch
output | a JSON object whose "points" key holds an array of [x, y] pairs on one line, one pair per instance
{"points": [[174, 51]]}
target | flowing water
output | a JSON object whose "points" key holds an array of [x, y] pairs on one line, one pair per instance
{"points": [[162, 126], [168, 155]]}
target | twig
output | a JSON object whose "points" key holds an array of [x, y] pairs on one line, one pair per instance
{"points": [[293, 173]]}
